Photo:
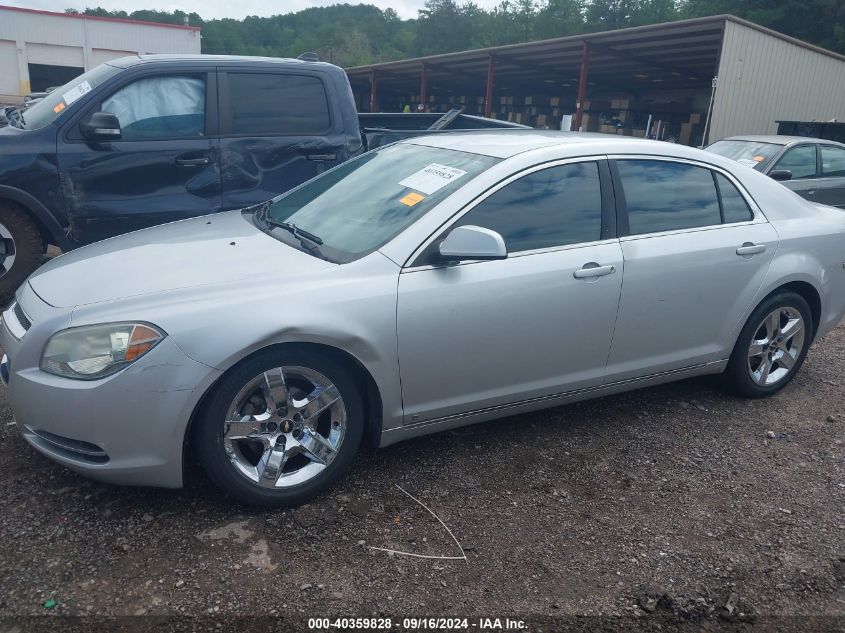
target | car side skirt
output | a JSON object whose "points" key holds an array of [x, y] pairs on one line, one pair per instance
{"points": [[392, 436]]}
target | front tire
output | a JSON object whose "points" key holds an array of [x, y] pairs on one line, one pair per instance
{"points": [[281, 427], [21, 248], [771, 347]]}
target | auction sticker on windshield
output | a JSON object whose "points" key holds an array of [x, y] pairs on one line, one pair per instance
{"points": [[432, 178], [76, 92]]}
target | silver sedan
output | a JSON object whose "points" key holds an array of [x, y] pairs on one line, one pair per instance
{"points": [[433, 283], [813, 168]]}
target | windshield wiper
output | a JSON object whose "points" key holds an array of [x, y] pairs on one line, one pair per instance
{"points": [[295, 230], [262, 215]]}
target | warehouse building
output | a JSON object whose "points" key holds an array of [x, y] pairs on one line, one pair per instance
{"points": [[692, 81], [40, 49]]}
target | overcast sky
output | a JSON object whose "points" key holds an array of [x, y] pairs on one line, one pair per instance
{"points": [[209, 9]]}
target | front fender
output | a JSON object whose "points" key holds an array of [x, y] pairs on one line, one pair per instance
{"points": [[351, 307], [56, 233]]}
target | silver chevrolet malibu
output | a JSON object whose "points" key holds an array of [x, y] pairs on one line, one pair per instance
{"points": [[433, 283]]}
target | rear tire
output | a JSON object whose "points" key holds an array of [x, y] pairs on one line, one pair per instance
{"points": [[771, 347], [21, 248], [260, 442]]}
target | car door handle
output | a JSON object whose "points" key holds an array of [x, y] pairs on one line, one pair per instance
{"points": [[194, 162], [749, 248], [321, 156], [592, 269]]}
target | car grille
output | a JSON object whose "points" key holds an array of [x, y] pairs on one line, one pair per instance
{"points": [[74, 449], [22, 318]]}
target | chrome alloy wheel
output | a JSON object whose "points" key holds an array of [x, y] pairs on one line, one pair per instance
{"points": [[776, 346], [284, 427], [8, 250]]}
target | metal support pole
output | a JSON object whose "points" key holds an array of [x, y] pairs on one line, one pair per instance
{"points": [[582, 86], [424, 86], [709, 112], [373, 92], [488, 98]]}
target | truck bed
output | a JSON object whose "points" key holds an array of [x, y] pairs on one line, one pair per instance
{"points": [[381, 128]]}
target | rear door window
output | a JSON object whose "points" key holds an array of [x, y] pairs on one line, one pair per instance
{"points": [[668, 196], [833, 161], [734, 206], [801, 161], [276, 103]]}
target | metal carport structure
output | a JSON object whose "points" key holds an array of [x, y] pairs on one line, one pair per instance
{"points": [[676, 61]]}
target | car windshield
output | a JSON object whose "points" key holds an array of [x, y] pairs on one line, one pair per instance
{"points": [[359, 206], [55, 104], [754, 154]]}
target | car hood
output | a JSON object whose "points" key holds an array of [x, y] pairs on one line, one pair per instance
{"points": [[213, 249]]}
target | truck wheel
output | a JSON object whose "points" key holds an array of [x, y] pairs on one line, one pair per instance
{"points": [[21, 248]]}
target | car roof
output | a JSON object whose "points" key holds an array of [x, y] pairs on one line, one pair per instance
{"points": [[780, 139], [505, 143], [214, 60]]}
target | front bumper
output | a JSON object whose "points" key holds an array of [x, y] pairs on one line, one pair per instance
{"points": [[128, 428]]}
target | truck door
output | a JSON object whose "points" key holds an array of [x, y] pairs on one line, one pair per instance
{"points": [[164, 167], [277, 131]]}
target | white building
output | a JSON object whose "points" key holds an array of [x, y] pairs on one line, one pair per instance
{"points": [[39, 49]]}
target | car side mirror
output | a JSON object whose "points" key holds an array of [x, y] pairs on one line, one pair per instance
{"points": [[472, 242], [102, 126], [780, 174]]}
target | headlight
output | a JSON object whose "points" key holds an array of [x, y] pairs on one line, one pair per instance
{"points": [[96, 351]]}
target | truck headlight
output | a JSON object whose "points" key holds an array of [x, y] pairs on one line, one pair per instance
{"points": [[95, 351]]}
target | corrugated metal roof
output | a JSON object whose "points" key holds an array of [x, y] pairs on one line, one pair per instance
{"points": [[674, 54]]}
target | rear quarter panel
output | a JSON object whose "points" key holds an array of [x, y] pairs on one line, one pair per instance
{"points": [[812, 250]]}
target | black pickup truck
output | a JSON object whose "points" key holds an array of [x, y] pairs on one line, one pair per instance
{"points": [[150, 139]]}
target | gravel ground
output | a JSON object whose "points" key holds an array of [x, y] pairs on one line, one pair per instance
{"points": [[665, 507]]}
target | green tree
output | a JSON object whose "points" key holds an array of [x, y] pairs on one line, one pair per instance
{"points": [[353, 34], [444, 26], [558, 18]]}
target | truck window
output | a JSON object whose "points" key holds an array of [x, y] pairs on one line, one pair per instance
{"points": [[56, 103], [268, 103], [164, 106]]}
